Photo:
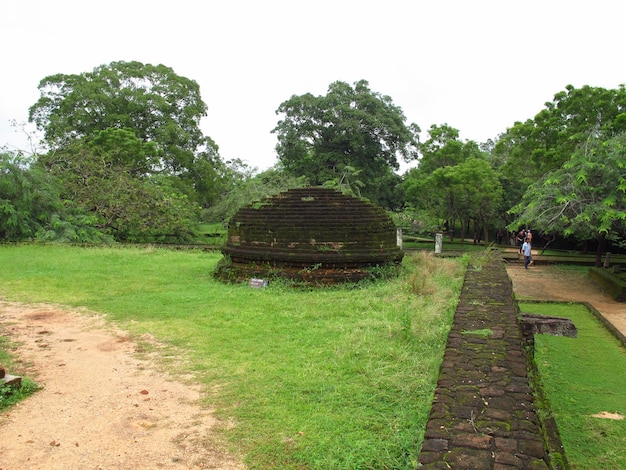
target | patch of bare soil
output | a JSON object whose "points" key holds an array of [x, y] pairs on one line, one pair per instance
{"points": [[549, 282], [101, 406]]}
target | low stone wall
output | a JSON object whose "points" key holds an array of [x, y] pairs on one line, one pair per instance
{"points": [[608, 280]]}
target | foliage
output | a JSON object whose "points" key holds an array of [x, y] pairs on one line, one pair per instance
{"points": [[159, 105], [454, 181], [546, 142], [585, 198], [125, 204], [9, 396], [467, 191], [126, 154], [31, 206], [597, 362], [247, 190], [330, 378], [443, 148], [350, 136], [416, 222], [145, 117], [531, 149]]}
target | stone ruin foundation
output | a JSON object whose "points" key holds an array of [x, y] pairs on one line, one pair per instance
{"points": [[310, 235]]}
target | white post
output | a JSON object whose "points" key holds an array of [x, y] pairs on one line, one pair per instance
{"points": [[438, 242], [399, 236]]}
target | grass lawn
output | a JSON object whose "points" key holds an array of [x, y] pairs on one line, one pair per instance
{"points": [[583, 377], [337, 378]]}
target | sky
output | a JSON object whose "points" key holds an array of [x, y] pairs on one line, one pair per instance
{"points": [[478, 66]]}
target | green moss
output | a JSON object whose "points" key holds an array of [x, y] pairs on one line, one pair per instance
{"points": [[484, 332]]}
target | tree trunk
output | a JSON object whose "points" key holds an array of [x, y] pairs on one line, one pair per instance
{"points": [[600, 249], [463, 231], [476, 232], [486, 232]]}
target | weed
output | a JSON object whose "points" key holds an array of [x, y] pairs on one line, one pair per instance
{"points": [[482, 332], [480, 259], [10, 395]]}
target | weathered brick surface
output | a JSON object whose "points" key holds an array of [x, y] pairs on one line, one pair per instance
{"points": [[483, 414]]}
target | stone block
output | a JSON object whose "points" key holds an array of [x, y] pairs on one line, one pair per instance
{"points": [[11, 381]]}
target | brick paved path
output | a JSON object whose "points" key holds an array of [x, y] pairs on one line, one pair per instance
{"points": [[483, 415]]}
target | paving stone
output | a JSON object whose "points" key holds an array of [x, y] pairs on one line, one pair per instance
{"points": [[507, 458], [473, 441], [435, 445], [469, 459], [506, 445]]}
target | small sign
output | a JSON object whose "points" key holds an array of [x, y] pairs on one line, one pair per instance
{"points": [[258, 283]]}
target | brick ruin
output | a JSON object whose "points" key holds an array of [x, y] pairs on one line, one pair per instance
{"points": [[312, 235]]}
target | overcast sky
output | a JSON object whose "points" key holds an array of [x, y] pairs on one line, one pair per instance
{"points": [[478, 66]]}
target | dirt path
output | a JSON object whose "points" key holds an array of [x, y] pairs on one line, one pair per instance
{"points": [[101, 406], [547, 282]]}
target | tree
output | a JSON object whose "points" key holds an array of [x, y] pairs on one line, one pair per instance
{"points": [[351, 132], [31, 206], [451, 179], [530, 149], [585, 198], [154, 103], [442, 148], [469, 191], [128, 206]]}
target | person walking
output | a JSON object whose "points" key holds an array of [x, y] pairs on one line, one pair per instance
{"points": [[526, 249], [521, 237]]}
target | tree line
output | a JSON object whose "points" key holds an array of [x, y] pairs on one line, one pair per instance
{"points": [[125, 160]]}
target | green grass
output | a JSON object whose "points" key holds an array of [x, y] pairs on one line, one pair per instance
{"points": [[9, 395], [582, 377], [337, 378], [212, 234], [12, 395]]}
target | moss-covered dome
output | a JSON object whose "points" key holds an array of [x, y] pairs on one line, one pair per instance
{"points": [[310, 234]]}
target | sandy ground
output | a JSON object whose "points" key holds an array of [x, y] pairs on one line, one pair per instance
{"points": [[104, 408], [101, 407]]}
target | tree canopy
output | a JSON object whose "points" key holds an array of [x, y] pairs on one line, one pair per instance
{"points": [[454, 181], [585, 198], [125, 142], [350, 134], [530, 149], [156, 103], [31, 206]]}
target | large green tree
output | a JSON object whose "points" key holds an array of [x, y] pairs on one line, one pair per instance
{"points": [[585, 198], [444, 148], [467, 192], [152, 102], [530, 149], [99, 178], [31, 206], [351, 135], [453, 181]]}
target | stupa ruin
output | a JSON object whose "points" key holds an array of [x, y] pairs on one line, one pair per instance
{"points": [[312, 235]]}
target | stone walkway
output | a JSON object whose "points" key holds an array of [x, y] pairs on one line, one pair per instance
{"points": [[483, 414]]}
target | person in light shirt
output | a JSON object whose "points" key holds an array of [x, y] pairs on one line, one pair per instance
{"points": [[526, 249]]}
